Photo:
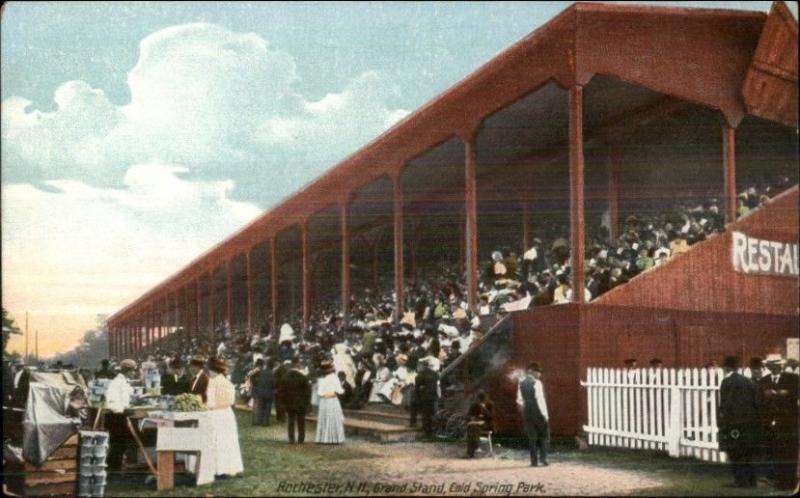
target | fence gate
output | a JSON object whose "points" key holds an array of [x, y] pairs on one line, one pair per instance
{"points": [[672, 410]]}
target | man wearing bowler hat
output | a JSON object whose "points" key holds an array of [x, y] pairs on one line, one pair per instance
{"points": [[531, 399], [199, 382], [737, 419]]}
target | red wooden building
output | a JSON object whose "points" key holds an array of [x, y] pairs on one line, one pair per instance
{"points": [[614, 108]]}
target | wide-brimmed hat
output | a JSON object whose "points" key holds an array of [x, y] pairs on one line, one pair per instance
{"points": [[326, 367], [402, 359], [535, 367], [774, 359], [198, 360], [127, 365], [176, 363], [731, 362], [217, 364]]}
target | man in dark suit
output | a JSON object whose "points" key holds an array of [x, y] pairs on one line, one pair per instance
{"points": [[262, 384], [426, 394], [175, 382], [530, 397], [779, 415], [277, 377], [737, 419], [296, 395], [198, 384], [105, 371], [346, 398]]}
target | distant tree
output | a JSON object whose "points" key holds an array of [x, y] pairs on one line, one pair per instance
{"points": [[9, 327], [89, 352]]}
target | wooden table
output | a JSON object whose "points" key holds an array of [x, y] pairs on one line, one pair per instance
{"points": [[172, 440]]}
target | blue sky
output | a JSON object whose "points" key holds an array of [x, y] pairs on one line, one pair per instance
{"points": [[137, 135]]}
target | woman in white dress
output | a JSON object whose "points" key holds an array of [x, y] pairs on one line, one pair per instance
{"points": [[330, 421], [220, 396], [382, 385]]}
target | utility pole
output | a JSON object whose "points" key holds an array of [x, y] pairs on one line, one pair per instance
{"points": [[37, 345], [27, 336]]}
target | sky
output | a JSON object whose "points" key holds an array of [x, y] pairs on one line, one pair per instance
{"points": [[137, 135]]}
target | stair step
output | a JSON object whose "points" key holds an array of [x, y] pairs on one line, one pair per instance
{"points": [[376, 430], [395, 431], [377, 416]]}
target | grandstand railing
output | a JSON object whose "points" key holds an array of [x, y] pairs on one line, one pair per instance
{"points": [[672, 410], [490, 336], [463, 378]]}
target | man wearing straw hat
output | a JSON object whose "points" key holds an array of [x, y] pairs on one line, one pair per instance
{"points": [[118, 398], [779, 392], [531, 399]]}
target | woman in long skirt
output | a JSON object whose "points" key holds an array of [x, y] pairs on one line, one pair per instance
{"points": [[220, 396], [330, 422]]}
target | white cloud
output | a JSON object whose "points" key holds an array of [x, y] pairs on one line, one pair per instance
{"points": [[92, 249], [221, 103], [336, 121], [142, 188]]}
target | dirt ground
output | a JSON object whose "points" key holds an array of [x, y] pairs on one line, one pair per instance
{"points": [[440, 469]]}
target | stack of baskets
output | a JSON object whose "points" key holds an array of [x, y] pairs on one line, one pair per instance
{"points": [[93, 474], [97, 390]]}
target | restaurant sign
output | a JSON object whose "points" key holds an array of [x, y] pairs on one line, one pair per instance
{"points": [[764, 257]]}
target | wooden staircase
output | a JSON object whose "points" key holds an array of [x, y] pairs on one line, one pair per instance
{"points": [[376, 421]]}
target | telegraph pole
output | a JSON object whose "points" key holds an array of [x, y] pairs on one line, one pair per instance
{"points": [[27, 336], [37, 345]]}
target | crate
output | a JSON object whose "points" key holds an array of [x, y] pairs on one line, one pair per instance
{"points": [[56, 476]]}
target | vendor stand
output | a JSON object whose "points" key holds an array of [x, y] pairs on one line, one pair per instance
{"points": [[45, 463]]}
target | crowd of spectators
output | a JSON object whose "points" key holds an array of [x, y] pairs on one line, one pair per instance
{"points": [[378, 355]]}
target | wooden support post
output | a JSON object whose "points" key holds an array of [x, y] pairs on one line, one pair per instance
{"points": [[613, 160], [212, 303], [398, 247], [165, 479], [729, 154], [249, 277], [274, 281], [137, 333], [177, 318], [471, 226], [151, 328], [526, 228], [228, 293], [577, 228], [186, 316], [345, 225], [306, 275], [198, 317]]}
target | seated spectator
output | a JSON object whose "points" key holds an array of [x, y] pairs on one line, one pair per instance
{"points": [[644, 262], [346, 397], [481, 420]]}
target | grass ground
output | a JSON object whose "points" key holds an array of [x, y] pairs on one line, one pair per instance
{"points": [[272, 465]]}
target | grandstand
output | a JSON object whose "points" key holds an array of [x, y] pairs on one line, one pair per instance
{"points": [[605, 111]]}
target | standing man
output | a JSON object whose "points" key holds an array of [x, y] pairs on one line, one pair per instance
{"points": [[426, 395], [175, 381], [779, 392], [530, 397], [105, 371], [150, 373], [296, 395], [737, 419], [118, 399], [263, 384], [277, 378], [199, 381]]}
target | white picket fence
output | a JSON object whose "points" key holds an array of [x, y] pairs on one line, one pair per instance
{"points": [[673, 410]]}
